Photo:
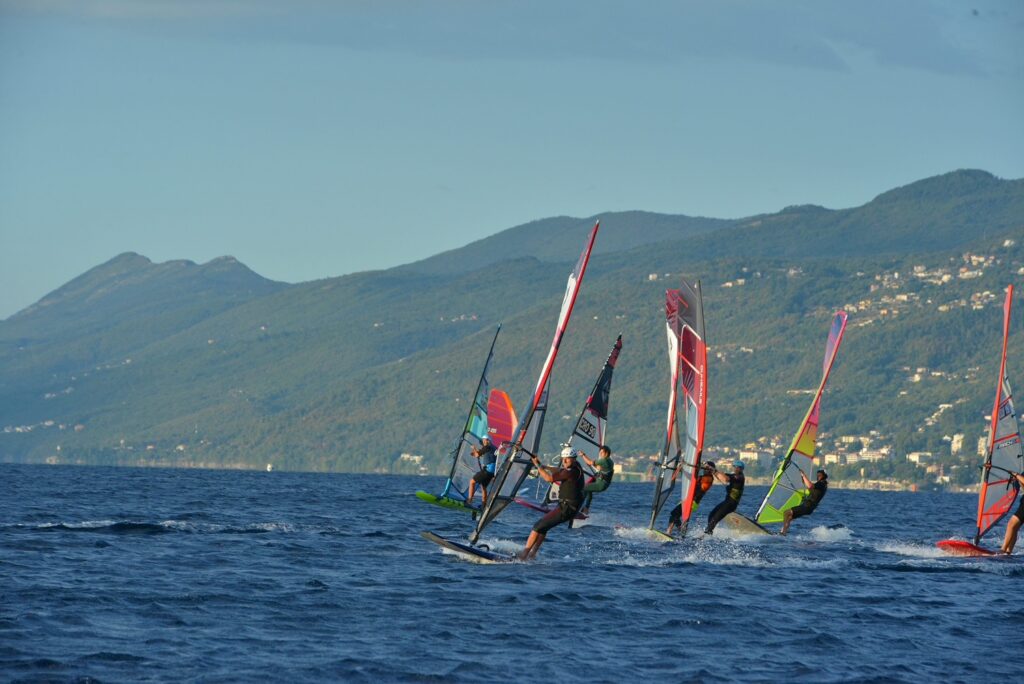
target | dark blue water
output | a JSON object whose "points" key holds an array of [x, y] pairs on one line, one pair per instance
{"points": [[136, 575]]}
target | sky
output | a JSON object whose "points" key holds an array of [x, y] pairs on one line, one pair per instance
{"points": [[310, 139]]}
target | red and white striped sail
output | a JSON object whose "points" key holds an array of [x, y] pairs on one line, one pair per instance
{"points": [[687, 352], [514, 461], [1004, 456], [693, 352]]}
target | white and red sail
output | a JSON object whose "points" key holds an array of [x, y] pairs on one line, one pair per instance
{"points": [[514, 460], [687, 354], [1004, 457]]}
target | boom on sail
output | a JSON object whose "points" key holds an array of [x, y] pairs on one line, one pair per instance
{"points": [[514, 458]]}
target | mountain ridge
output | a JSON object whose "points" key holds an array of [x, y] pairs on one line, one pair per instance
{"points": [[345, 373]]}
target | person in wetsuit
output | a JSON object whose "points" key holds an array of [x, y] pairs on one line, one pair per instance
{"points": [[733, 494], [704, 482], [1014, 523], [604, 469], [487, 458], [816, 493], [570, 495]]}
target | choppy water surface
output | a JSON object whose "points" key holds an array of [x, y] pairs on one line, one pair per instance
{"points": [[134, 575]]}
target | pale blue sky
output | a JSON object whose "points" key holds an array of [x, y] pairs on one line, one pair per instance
{"points": [[312, 139]]}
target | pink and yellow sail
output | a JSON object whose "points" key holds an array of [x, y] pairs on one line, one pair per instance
{"points": [[788, 488]]}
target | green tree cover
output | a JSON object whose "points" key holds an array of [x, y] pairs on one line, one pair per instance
{"points": [[347, 373]]}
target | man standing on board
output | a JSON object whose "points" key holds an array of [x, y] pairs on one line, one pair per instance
{"points": [[1014, 523], [570, 495], [704, 482], [604, 469], [487, 458], [817, 493], [733, 494]]}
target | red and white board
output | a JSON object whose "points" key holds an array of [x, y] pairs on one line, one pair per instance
{"points": [[959, 547]]}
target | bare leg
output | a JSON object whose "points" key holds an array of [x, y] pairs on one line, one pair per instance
{"points": [[534, 540], [787, 518], [472, 490], [483, 495], [671, 526], [536, 547], [1012, 528]]}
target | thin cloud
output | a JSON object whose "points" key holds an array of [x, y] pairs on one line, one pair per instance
{"points": [[915, 34]]}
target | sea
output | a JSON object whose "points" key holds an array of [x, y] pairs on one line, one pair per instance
{"points": [[135, 575]]}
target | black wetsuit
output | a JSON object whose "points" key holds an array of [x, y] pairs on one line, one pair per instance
{"points": [[570, 495], [488, 458], [703, 485], [733, 494], [807, 506]]}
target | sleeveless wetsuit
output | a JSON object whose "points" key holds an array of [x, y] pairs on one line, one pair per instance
{"points": [[733, 494], [807, 506], [570, 494], [703, 485]]}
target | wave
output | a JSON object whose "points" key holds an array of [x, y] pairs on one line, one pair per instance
{"points": [[164, 527], [911, 549]]}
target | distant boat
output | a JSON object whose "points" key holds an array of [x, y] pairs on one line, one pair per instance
{"points": [[270, 467]]}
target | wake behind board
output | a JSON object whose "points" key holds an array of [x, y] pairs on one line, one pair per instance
{"points": [[659, 536], [446, 502], [959, 547], [473, 554], [652, 535], [744, 525]]}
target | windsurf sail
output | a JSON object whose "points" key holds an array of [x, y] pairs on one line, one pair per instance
{"points": [[1004, 457], [788, 489], [464, 465], [687, 365], [589, 434], [514, 459], [501, 417]]}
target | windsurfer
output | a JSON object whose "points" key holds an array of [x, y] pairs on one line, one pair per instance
{"points": [[704, 482], [487, 458], [733, 494], [1014, 523], [570, 494], [604, 469], [816, 493]]}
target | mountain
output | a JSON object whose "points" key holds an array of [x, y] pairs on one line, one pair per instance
{"points": [[117, 307], [556, 239], [213, 365]]}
